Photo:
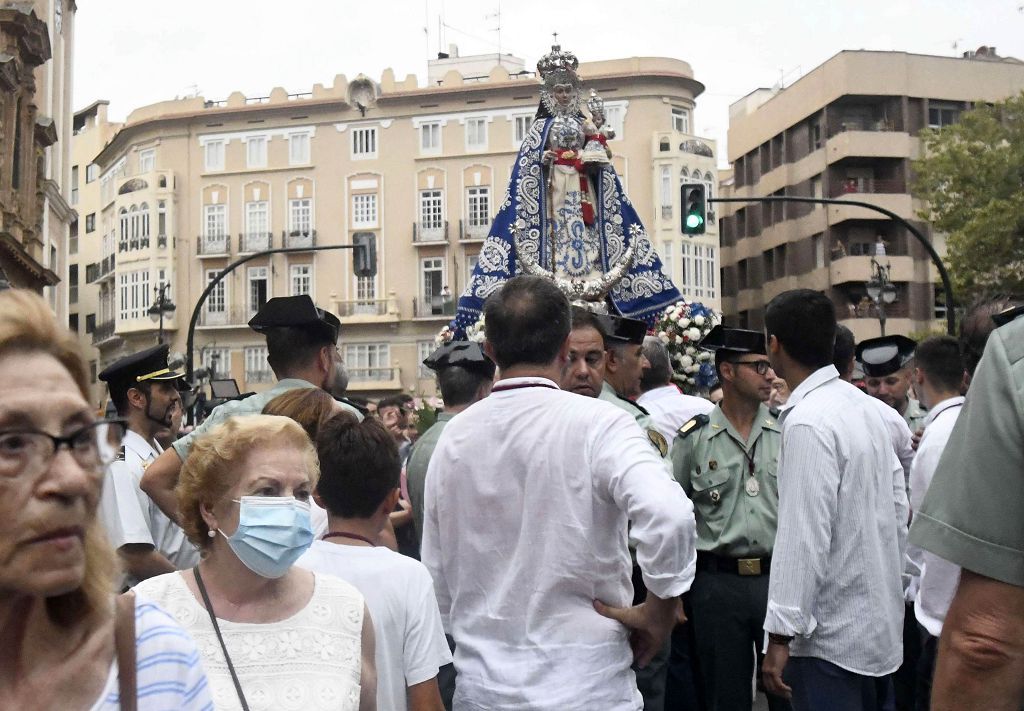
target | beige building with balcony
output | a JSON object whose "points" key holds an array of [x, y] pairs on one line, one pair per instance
{"points": [[188, 186], [849, 128]]}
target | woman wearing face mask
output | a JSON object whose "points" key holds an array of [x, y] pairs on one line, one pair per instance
{"points": [[271, 635]]}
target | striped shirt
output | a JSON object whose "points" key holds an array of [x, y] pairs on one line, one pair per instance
{"points": [[835, 580], [169, 674]]}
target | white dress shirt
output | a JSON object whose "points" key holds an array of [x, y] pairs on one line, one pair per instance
{"points": [[835, 580], [527, 499], [669, 408], [939, 577]]}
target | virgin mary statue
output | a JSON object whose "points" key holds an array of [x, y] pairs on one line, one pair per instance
{"points": [[565, 214]]}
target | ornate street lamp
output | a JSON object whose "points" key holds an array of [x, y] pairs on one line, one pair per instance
{"points": [[880, 288], [161, 305]]}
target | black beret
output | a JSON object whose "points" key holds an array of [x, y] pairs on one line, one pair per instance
{"points": [[465, 354], [737, 340], [296, 312], [619, 329], [885, 355]]}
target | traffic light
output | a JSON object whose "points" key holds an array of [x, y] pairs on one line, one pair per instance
{"points": [[364, 256], [695, 208]]}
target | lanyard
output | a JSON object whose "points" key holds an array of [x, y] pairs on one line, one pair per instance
{"points": [[750, 457], [353, 536]]}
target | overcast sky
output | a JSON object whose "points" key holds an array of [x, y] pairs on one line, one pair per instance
{"points": [[136, 52]]}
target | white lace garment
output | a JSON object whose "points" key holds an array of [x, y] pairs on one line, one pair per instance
{"points": [[307, 662]]}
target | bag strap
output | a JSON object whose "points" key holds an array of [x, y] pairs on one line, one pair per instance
{"points": [[216, 628], [124, 647]]}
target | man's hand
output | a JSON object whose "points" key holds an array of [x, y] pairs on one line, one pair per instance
{"points": [[915, 439], [774, 664], [649, 623]]}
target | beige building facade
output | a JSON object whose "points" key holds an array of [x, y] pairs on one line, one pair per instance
{"points": [[188, 186], [36, 47], [847, 129]]}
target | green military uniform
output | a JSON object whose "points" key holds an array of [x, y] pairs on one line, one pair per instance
{"points": [[642, 417], [974, 507], [416, 469], [733, 485], [915, 415]]}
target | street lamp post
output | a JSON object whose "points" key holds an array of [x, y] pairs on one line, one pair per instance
{"points": [[880, 288], [161, 305]]}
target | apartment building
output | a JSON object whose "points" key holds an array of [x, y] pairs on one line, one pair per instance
{"points": [[847, 129], [36, 45], [188, 186]]}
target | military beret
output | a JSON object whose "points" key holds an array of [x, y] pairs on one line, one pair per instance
{"points": [[149, 365], [296, 312], [737, 340], [885, 355], [465, 354], [619, 329]]}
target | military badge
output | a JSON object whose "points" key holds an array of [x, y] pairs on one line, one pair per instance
{"points": [[713, 465], [658, 440], [752, 487], [715, 496]]}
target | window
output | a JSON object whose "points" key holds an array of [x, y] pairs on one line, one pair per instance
{"points": [[217, 301], [73, 237], [364, 142], [256, 152], [90, 325], [90, 172], [432, 286], [368, 361], [147, 160], [476, 134], [215, 227], [521, 127], [300, 216], [257, 370], [259, 288], [431, 214], [698, 270], [710, 271], [74, 185], [680, 119], [144, 223], [430, 137], [134, 294], [364, 210], [816, 186], [940, 114], [423, 351], [214, 155], [471, 262], [818, 244], [298, 149], [90, 222], [613, 118], [73, 284], [687, 274], [666, 259], [161, 219], [301, 279], [815, 136], [257, 222], [73, 323], [217, 361], [666, 192], [479, 209]]}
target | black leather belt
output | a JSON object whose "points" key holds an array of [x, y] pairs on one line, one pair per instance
{"points": [[711, 563]]}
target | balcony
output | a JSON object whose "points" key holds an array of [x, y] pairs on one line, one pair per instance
{"points": [[858, 269], [852, 186], [439, 307], [386, 378], [225, 318], [426, 233], [368, 310], [249, 242], [299, 239], [253, 377], [99, 271], [104, 332], [467, 232], [216, 245]]}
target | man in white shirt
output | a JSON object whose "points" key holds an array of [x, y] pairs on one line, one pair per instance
{"points": [[938, 377], [835, 599], [359, 474], [527, 499], [146, 393], [669, 408]]}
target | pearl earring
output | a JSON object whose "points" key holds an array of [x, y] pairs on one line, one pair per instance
{"points": [[212, 532]]}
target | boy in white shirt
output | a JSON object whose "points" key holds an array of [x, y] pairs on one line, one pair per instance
{"points": [[359, 477]]}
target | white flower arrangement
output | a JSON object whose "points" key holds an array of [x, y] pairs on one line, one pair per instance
{"points": [[681, 327], [476, 331]]}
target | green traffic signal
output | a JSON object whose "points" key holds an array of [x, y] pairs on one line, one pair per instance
{"points": [[694, 221], [694, 202]]}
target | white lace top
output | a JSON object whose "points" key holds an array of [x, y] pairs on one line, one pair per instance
{"points": [[307, 662]]}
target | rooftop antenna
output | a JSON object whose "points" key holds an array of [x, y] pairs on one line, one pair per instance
{"points": [[956, 42], [497, 16]]}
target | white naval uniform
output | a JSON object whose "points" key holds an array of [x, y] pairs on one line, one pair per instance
{"points": [[130, 516]]}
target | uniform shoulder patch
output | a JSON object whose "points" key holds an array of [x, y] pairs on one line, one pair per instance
{"points": [[692, 425], [658, 440]]}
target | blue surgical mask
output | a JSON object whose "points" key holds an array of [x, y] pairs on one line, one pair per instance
{"points": [[273, 531]]}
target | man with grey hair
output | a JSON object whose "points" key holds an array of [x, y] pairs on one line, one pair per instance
{"points": [[668, 406]]}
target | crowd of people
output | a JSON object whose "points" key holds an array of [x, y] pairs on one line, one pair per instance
{"points": [[572, 532]]}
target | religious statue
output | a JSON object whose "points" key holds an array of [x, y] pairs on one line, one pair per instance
{"points": [[565, 214]]}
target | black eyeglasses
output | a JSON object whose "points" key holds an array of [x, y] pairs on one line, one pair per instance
{"points": [[761, 366], [93, 446]]}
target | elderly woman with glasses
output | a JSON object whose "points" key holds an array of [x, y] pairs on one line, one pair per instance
{"points": [[64, 643], [273, 636]]}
